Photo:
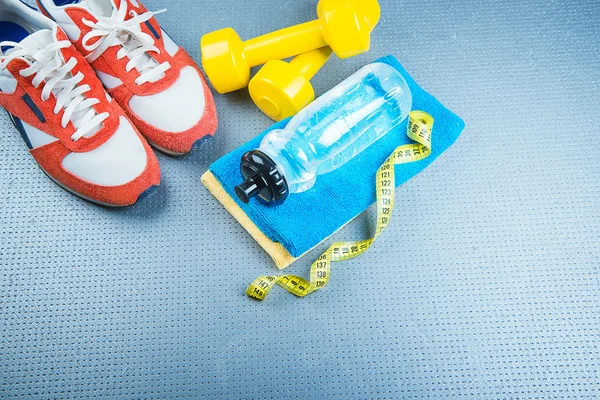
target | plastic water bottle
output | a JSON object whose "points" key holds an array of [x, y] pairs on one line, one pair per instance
{"points": [[326, 134]]}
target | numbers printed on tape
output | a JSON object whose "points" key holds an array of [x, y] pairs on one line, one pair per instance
{"points": [[420, 125]]}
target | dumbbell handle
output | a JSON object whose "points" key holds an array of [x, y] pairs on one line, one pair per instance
{"points": [[311, 62], [284, 43]]}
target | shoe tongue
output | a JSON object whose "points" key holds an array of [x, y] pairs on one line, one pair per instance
{"points": [[37, 40], [100, 8], [116, 3], [40, 40], [108, 8]]}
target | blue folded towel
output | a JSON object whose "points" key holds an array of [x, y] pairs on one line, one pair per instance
{"points": [[306, 219]]}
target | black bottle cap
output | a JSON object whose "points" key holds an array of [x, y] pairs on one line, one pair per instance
{"points": [[264, 180]]}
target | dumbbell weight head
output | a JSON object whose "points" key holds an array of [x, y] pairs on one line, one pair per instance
{"points": [[281, 89], [223, 60], [347, 25], [370, 8]]}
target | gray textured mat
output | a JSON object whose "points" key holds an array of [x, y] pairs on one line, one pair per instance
{"points": [[494, 295]]}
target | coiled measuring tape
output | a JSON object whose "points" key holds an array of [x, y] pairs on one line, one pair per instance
{"points": [[420, 125]]}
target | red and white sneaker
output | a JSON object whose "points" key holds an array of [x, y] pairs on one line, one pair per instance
{"points": [[79, 137], [153, 79]]}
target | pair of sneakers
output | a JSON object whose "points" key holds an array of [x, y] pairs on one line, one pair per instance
{"points": [[90, 84]]}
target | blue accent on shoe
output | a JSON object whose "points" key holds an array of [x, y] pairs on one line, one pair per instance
{"points": [[9, 31], [38, 113], [146, 193], [65, 2], [33, 8], [149, 25], [201, 142], [19, 125], [58, 3], [43, 9]]}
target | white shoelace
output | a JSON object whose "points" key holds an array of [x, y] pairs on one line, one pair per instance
{"points": [[47, 65], [136, 44]]}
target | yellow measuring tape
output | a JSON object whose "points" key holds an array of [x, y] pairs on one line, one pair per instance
{"points": [[420, 125]]}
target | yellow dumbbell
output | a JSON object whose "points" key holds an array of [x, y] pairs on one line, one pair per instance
{"points": [[343, 25], [368, 8], [282, 89]]}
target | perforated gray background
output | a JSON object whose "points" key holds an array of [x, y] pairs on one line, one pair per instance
{"points": [[494, 293]]}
